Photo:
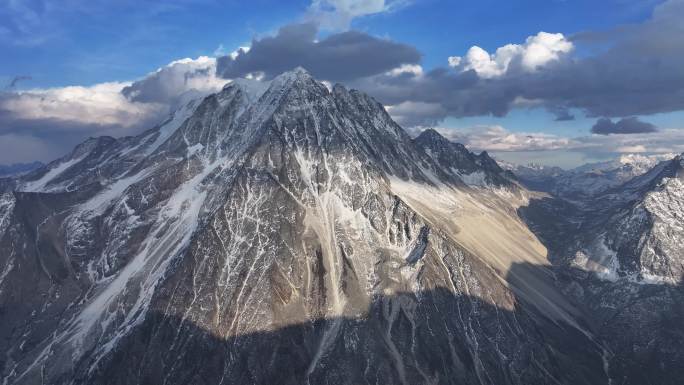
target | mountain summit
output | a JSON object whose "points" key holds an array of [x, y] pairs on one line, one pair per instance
{"points": [[281, 233]]}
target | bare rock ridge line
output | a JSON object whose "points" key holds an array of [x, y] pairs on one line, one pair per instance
{"points": [[284, 232]]}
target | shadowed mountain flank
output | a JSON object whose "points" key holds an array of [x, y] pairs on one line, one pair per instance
{"points": [[619, 254], [432, 337]]}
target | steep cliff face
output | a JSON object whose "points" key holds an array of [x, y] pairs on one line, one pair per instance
{"points": [[289, 234]]}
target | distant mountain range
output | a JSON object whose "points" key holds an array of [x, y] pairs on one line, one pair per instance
{"points": [[586, 180]]}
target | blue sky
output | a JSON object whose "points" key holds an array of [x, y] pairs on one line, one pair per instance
{"points": [[78, 43], [123, 40]]}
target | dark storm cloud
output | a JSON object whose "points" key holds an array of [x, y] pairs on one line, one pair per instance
{"points": [[410, 114], [47, 139], [605, 126], [25, 136], [639, 74], [457, 94], [338, 57], [10, 123], [42, 139], [614, 85]]}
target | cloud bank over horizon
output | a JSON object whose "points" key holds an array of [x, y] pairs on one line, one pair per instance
{"points": [[639, 73], [616, 76], [55, 119]]}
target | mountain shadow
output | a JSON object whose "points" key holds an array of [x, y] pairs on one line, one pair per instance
{"points": [[640, 322], [430, 337]]}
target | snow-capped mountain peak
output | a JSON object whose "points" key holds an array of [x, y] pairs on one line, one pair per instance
{"points": [[254, 179], [283, 232]]}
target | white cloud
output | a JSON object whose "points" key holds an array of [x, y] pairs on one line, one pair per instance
{"points": [[338, 14], [101, 104], [124, 106], [498, 138], [167, 84], [44, 124], [414, 69], [486, 65], [47, 123], [239, 50], [410, 114], [543, 48], [537, 51]]}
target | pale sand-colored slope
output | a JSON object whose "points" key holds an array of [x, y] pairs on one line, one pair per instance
{"points": [[485, 223]]}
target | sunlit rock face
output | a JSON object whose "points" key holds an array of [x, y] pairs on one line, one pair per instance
{"points": [[282, 234]]}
